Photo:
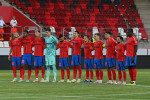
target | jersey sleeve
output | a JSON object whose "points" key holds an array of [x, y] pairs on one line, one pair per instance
{"points": [[58, 45], [10, 44], [55, 40], [81, 40], [43, 42], [69, 45], [3, 22], [135, 41]]}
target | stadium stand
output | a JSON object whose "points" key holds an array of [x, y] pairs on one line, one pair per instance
{"points": [[83, 14]]}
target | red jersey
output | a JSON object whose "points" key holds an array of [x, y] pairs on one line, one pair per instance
{"points": [[16, 45], [131, 42], [76, 48], [64, 46], [120, 49], [87, 50], [39, 44], [98, 47], [110, 47], [27, 44]]}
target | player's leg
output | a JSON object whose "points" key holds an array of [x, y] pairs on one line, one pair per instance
{"points": [[54, 72], [118, 66], [97, 74], [114, 75], [108, 71], [36, 65], [91, 70], [87, 70], [29, 63], [124, 77], [79, 68], [68, 74], [61, 65], [14, 69], [41, 64], [101, 75], [23, 64], [47, 72], [73, 62], [22, 71]]}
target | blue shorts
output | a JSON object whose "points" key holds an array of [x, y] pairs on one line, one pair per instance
{"points": [[27, 59], [88, 63], [63, 62], [76, 60], [110, 62], [120, 65], [16, 61], [38, 61], [98, 63], [129, 61]]}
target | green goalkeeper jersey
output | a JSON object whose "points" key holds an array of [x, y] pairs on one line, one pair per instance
{"points": [[51, 43]]}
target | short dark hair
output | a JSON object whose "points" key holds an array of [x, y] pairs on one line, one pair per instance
{"points": [[109, 33], [38, 31], [17, 32], [121, 37], [48, 29], [130, 30], [77, 31], [97, 34], [25, 31], [60, 36], [87, 36]]}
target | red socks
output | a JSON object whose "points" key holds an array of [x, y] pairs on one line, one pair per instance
{"points": [[29, 74], [80, 71], [43, 72], [114, 74], [91, 74], [36, 72], [131, 74], [97, 75], [134, 71], [120, 76], [68, 74], [22, 73], [109, 75], [124, 76], [74, 72], [87, 75], [62, 74], [101, 75], [15, 71]]}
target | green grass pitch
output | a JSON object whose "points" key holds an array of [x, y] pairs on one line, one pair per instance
{"points": [[73, 91]]}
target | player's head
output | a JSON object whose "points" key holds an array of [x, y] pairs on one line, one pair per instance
{"points": [[16, 34], [14, 17], [48, 31], [130, 33], [37, 33], [76, 34], [61, 38], [119, 39], [25, 33], [86, 38], [108, 35], [97, 36]]}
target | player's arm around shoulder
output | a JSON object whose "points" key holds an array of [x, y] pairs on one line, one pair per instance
{"points": [[55, 40]]}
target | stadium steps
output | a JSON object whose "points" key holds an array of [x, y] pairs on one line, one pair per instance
{"points": [[143, 8]]}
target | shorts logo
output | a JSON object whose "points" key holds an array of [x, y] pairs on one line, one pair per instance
{"points": [[12, 63], [71, 62], [59, 64], [105, 63], [95, 65], [34, 63], [22, 61], [84, 66], [117, 67]]}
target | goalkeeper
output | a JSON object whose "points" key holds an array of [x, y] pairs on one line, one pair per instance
{"points": [[50, 55]]}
